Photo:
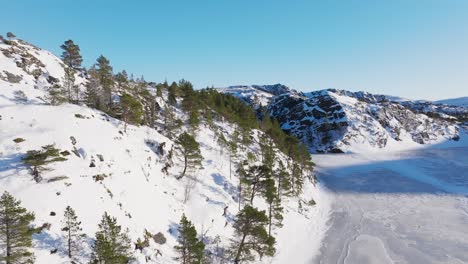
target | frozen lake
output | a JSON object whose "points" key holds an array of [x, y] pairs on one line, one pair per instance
{"points": [[399, 207]]}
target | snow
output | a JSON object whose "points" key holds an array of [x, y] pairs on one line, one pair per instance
{"points": [[461, 101], [249, 94], [387, 207], [135, 191]]}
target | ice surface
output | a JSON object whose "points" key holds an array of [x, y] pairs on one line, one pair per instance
{"points": [[399, 207]]}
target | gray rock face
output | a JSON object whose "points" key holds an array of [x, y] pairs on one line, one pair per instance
{"points": [[336, 120]]}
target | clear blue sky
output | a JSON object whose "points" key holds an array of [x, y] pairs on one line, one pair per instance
{"points": [[415, 49]]}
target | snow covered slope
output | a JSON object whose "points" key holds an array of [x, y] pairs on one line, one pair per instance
{"points": [[461, 101], [124, 173], [341, 121], [256, 95]]}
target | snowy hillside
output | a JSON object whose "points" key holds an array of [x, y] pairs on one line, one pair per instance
{"points": [[341, 121], [256, 95], [462, 101], [128, 171]]}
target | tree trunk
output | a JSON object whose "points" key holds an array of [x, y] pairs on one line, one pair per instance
{"points": [[241, 246], [185, 168], [252, 196], [8, 240], [269, 218], [69, 243]]}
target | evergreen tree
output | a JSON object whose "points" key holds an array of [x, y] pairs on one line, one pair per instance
{"points": [[170, 122], [190, 102], [191, 151], [190, 249], [73, 232], [121, 80], [255, 178], [172, 93], [71, 55], [56, 95], [132, 110], [283, 180], [38, 159], [151, 107], [159, 90], [72, 58], [112, 246], [251, 236], [106, 80], [275, 210], [91, 94], [15, 231], [71, 90], [232, 145]]}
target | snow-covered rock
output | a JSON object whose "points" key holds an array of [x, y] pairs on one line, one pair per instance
{"points": [[342, 121]]}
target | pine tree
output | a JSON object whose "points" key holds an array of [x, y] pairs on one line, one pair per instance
{"points": [[72, 58], [72, 229], [251, 236], [121, 80], [132, 110], [112, 246], [159, 90], [151, 107], [275, 210], [70, 88], [15, 231], [56, 95], [232, 145], [191, 151], [255, 179], [92, 92], [38, 159], [106, 80], [172, 94], [190, 102], [190, 249], [283, 180], [170, 122], [71, 55]]}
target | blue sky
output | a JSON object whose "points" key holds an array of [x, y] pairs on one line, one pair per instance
{"points": [[414, 49]]}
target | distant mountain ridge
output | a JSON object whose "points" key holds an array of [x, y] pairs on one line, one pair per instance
{"points": [[334, 120], [461, 101]]}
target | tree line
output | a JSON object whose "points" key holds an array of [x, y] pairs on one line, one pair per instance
{"points": [[112, 244], [271, 178]]}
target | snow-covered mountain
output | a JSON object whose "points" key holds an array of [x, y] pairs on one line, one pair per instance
{"points": [[461, 101], [128, 171], [256, 95], [340, 121]]}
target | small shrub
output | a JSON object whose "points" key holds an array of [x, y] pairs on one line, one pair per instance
{"points": [[19, 140], [99, 177], [80, 116], [65, 153]]}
